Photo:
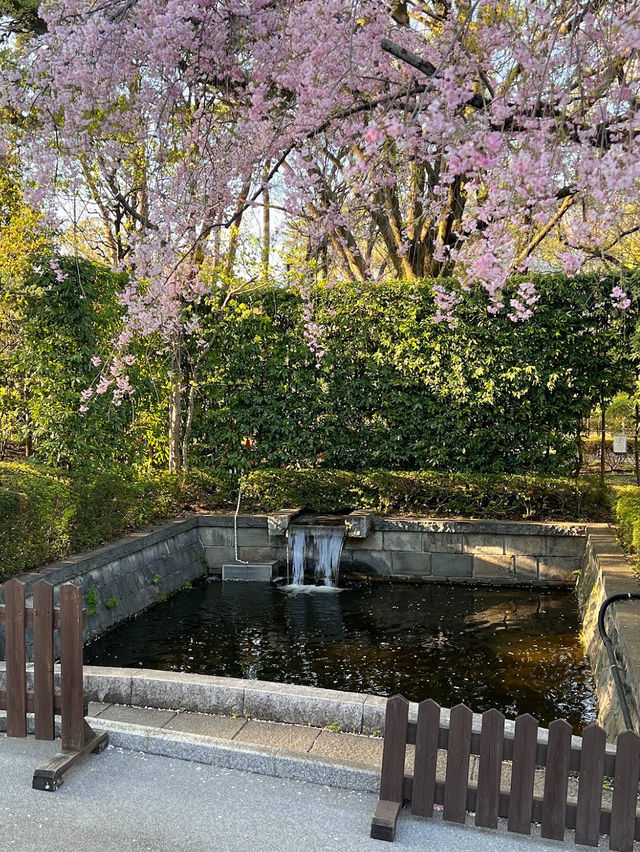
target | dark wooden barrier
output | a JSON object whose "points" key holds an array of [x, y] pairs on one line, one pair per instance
{"points": [[527, 748], [43, 619]]}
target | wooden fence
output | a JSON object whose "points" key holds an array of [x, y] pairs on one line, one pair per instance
{"points": [[526, 748], [42, 618]]}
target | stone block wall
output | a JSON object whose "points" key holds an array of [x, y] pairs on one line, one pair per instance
{"points": [[607, 572], [127, 576], [490, 552]]}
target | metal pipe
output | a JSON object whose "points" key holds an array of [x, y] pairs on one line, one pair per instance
{"points": [[615, 668], [235, 529]]}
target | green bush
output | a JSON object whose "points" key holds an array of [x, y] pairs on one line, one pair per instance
{"points": [[396, 391], [428, 493], [47, 514], [627, 515]]}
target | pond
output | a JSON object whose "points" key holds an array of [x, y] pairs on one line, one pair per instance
{"points": [[514, 649]]}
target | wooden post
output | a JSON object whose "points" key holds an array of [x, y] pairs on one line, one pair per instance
{"points": [[426, 758], [73, 736], [489, 770], [16, 659], [457, 777], [77, 736], [525, 744], [625, 792], [383, 824], [556, 780], [594, 741], [43, 656]]}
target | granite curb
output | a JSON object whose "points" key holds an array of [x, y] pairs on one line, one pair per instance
{"points": [[229, 754]]}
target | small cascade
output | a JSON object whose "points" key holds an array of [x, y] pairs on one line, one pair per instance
{"points": [[315, 551], [297, 547]]}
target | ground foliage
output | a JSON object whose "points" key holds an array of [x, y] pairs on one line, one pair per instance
{"points": [[627, 516], [47, 513]]}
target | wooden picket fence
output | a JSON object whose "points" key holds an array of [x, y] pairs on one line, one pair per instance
{"points": [[78, 738], [528, 747]]}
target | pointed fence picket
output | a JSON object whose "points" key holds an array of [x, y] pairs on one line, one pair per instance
{"points": [[43, 701], [528, 748]]}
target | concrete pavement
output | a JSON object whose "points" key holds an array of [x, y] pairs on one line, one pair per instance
{"points": [[125, 801]]}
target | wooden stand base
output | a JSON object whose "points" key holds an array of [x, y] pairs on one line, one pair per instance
{"points": [[49, 776], [383, 824]]}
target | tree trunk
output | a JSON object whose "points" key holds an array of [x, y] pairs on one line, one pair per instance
{"points": [[602, 441], [636, 454], [175, 413], [266, 232], [188, 423], [580, 452]]}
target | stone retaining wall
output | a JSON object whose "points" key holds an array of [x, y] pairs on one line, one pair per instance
{"points": [[490, 552], [607, 572], [127, 576]]}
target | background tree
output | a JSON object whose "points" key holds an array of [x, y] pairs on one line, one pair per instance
{"points": [[402, 139]]}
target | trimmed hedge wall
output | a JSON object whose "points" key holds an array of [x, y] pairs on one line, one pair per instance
{"points": [[46, 514], [428, 493]]}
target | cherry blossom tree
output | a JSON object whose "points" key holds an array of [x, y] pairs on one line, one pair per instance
{"points": [[411, 138]]}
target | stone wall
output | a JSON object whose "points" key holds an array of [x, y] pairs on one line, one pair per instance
{"points": [[607, 572], [490, 552], [127, 576]]}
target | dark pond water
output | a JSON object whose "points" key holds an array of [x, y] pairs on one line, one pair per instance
{"points": [[513, 649]]}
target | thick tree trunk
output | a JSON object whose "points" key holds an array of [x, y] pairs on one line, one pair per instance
{"points": [[191, 401]]}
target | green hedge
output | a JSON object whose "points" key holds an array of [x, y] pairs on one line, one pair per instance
{"points": [[428, 493], [627, 515], [46, 514]]}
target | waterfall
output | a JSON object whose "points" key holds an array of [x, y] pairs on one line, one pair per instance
{"points": [[316, 550], [297, 546]]}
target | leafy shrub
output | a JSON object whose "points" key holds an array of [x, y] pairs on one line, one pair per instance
{"points": [[627, 515], [46, 514], [396, 391], [428, 493]]}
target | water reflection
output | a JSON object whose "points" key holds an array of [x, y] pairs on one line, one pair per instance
{"points": [[516, 650]]}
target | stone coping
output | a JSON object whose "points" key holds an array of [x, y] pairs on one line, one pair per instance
{"points": [[420, 523], [350, 712], [302, 750]]}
